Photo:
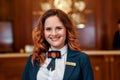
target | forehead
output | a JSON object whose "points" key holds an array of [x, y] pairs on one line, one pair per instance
{"points": [[53, 20]]}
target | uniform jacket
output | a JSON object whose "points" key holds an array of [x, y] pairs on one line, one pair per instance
{"points": [[81, 71]]}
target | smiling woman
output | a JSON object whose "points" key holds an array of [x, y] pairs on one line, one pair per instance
{"points": [[55, 35]]}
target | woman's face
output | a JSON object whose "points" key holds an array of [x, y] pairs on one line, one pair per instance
{"points": [[55, 32]]}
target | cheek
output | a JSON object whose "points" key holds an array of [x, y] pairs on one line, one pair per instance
{"points": [[45, 34], [64, 34]]}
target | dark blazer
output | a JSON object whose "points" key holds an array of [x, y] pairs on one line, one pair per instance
{"points": [[81, 71]]}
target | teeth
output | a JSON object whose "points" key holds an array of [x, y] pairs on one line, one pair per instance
{"points": [[54, 39]]}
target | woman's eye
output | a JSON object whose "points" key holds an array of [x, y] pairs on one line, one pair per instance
{"points": [[48, 29], [59, 28]]}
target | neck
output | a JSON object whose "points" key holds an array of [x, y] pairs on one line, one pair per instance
{"points": [[57, 48]]}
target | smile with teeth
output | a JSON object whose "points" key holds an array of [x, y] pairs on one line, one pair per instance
{"points": [[55, 38]]}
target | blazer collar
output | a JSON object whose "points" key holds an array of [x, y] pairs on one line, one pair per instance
{"points": [[69, 68]]}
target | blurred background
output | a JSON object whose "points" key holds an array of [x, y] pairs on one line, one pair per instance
{"points": [[95, 20], [96, 24]]}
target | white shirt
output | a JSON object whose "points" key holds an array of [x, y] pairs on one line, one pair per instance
{"points": [[58, 73]]}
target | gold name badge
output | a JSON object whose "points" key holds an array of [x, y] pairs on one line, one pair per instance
{"points": [[71, 63]]}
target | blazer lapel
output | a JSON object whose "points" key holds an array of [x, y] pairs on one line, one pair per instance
{"points": [[70, 65]]}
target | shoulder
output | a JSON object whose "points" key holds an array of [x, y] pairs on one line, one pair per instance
{"points": [[33, 63], [30, 58], [82, 56], [28, 62]]}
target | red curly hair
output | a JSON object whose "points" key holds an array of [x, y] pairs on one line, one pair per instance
{"points": [[41, 46]]}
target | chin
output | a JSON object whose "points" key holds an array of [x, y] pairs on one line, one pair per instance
{"points": [[56, 46]]}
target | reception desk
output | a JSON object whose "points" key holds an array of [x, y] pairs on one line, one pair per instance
{"points": [[105, 65]]}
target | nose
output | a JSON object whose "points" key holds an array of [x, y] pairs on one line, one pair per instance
{"points": [[54, 32]]}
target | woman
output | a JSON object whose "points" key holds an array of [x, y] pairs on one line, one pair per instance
{"points": [[55, 33]]}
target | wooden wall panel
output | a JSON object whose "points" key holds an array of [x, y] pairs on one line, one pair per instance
{"points": [[23, 24], [7, 9], [87, 36], [115, 64], [98, 34], [12, 68], [100, 66], [7, 15]]}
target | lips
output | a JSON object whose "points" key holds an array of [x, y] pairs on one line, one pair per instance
{"points": [[55, 39]]}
